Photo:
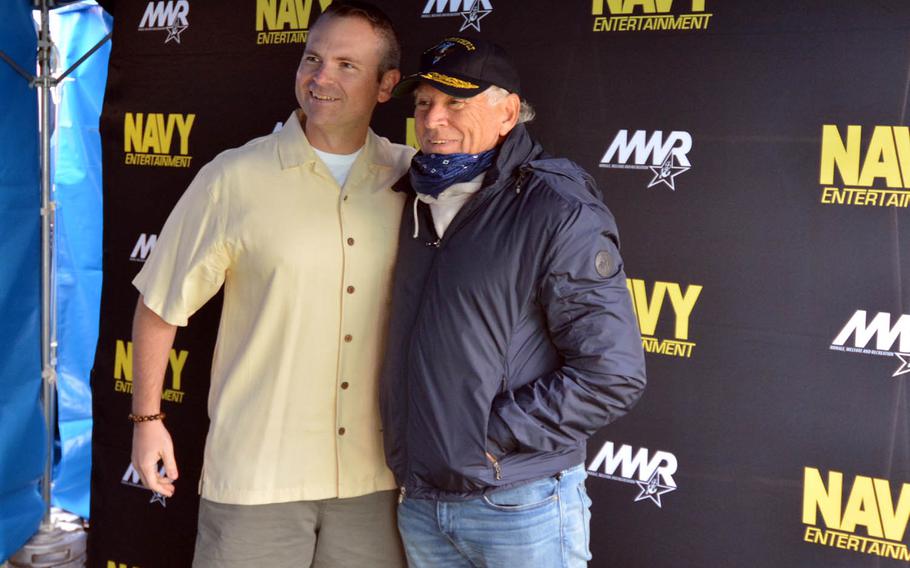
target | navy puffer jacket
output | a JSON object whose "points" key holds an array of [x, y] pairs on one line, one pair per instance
{"points": [[513, 334]]}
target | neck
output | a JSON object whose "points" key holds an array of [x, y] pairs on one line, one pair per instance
{"points": [[339, 140]]}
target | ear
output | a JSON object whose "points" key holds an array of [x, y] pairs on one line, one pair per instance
{"points": [[388, 81], [509, 117]]}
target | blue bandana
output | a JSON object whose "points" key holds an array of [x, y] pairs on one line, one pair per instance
{"points": [[431, 174]]}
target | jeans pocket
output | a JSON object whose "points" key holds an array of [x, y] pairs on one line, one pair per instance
{"points": [[525, 497]]}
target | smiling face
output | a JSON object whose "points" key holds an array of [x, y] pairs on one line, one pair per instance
{"points": [[338, 82], [449, 125]]}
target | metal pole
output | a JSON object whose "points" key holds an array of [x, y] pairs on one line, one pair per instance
{"points": [[85, 56], [48, 219]]}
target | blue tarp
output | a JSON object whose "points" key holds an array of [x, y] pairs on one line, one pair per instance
{"points": [[77, 178], [21, 421], [76, 156]]}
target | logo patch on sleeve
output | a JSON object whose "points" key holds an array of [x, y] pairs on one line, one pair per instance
{"points": [[603, 262]]}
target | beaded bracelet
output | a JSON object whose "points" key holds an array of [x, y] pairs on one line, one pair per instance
{"points": [[134, 418]]}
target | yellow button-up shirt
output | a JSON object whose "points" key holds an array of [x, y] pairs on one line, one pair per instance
{"points": [[306, 267]]}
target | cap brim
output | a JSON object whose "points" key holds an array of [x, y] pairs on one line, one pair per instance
{"points": [[462, 87]]}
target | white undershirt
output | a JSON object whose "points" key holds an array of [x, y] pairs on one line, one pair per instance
{"points": [[447, 204], [338, 164]]}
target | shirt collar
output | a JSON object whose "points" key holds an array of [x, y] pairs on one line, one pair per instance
{"points": [[295, 150]]}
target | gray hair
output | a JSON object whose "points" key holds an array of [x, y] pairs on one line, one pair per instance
{"points": [[495, 95]]}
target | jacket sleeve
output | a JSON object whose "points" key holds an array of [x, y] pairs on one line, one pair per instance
{"points": [[591, 323]]}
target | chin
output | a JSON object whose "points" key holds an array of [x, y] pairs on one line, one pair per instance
{"points": [[436, 150]]}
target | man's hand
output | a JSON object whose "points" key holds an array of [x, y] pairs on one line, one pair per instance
{"points": [[151, 444]]}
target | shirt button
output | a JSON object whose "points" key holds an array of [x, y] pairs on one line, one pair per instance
{"points": [[344, 385], [350, 241], [341, 431], [345, 198], [350, 289], [348, 338]]}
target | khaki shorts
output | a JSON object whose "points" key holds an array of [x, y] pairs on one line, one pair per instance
{"points": [[332, 533]]}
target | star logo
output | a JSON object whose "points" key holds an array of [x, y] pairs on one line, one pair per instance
{"points": [[905, 364], [173, 32], [666, 173], [653, 489], [158, 498], [473, 17]]}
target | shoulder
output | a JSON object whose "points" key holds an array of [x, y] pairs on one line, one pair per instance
{"points": [[232, 169], [260, 150], [566, 190], [387, 153], [254, 158]]}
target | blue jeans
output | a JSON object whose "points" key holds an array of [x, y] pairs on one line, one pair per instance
{"points": [[540, 524]]}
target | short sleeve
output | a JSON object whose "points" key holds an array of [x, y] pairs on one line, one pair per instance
{"points": [[190, 259]]}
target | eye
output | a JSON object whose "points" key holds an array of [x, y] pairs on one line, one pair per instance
{"points": [[421, 104], [456, 103], [347, 65], [309, 58]]}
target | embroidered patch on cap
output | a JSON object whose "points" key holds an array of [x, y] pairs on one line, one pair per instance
{"points": [[447, 80], [443, 48]]}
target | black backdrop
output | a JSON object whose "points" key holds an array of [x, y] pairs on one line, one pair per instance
{"points": [[756, 158]]}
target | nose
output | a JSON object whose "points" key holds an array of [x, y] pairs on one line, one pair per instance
{"points": [[436, 115], [321, 75]]}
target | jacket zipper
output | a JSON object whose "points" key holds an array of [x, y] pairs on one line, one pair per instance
{"points": [[497, 469], [522, 173], [461, 217], [435, 244]]}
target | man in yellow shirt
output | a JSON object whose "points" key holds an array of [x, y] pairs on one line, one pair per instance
{"points": [[300, 227]]}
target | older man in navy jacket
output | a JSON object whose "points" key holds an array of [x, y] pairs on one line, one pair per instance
{"points": [[512, 336]]}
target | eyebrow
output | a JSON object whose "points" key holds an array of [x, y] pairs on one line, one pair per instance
{"points": [[349, 58], [308, 51]]}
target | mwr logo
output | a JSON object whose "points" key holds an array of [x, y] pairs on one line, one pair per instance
{"points": [[284, 21], [879, 328], [115, 564], [123, 371], [654, 15], [869, 504], [148, 139], [885, 164], [648, 310], [131, 478], [652, 474], [471, 10], [666, 158], [169, 16], [143, 248]]}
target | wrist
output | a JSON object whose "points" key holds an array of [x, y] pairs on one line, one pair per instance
{"points": [[140, 418]]}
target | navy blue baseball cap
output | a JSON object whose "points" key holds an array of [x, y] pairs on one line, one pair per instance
{"points": [[463, 67]]}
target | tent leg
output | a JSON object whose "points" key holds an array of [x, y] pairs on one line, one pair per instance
{"points": [[45, 81]]}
